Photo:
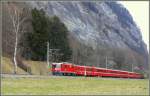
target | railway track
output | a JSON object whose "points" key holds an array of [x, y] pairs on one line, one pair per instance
{"points": [[32, 76], [24, 76], [52, 76], [46, 76]]}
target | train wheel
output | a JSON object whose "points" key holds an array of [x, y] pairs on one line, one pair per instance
{"points": [[71, 74], [53, 73], [63, 74], [74, 74], [60, 74]]}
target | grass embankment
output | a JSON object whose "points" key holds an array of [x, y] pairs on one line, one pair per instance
{"points": [[37, 67], [74, 85], [8, 66]]}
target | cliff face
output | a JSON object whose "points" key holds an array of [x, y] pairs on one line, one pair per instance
{"points": [[99, 25]]}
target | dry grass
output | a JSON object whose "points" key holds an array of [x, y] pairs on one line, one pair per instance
{"points": [[37, 67], [8, 66]]}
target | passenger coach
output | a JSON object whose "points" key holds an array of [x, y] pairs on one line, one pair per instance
{"points": [[68, 69]]}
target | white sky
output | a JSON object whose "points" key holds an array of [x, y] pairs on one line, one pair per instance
{"points": [[140, 13]]}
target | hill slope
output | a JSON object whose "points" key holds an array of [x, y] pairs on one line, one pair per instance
{"points": [[100, 25], [98, 32]]}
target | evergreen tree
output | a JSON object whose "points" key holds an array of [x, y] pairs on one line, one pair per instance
{"points": [[58, 38], [48, 29], [38, 38]]}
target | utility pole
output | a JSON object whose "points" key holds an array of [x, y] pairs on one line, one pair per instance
{"points": [[97, 58], [132, 67], [48, 54], [48, 64], [106, 62], [53, 54]]}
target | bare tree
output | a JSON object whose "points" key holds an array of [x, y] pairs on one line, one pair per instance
{"points": [[17, 17]]}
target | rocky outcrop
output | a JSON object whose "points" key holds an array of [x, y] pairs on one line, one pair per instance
{"points": [[100, 25]]}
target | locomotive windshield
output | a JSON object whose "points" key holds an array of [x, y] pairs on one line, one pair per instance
{"points": [[56, 65]]}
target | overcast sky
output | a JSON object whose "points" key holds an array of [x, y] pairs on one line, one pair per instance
{"points": [[140, 13]]}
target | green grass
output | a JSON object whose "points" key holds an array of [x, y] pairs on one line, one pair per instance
{"points": [[74, 85]]}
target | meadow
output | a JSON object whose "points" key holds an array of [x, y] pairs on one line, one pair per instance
{"points": [[74, 86]]}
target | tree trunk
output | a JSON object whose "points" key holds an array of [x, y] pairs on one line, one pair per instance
{"points": [[15, 53]]}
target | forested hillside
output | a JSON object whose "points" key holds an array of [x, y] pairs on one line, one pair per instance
{"points": [[84, 33]]}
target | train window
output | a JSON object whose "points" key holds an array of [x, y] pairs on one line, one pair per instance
{"points": [[114, 72], [88, 69], [96, 70], [57, 65], [102, 70], [63, 66]]}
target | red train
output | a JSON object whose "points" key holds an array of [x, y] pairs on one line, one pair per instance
{"points": [[68, 69]]}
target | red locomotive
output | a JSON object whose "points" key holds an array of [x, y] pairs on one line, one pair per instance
{"points": [[68, 69]]}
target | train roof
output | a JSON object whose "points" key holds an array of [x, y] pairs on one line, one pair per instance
{"points": [[57, 63], [106, 69], [63, 63], [115, 70]]}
